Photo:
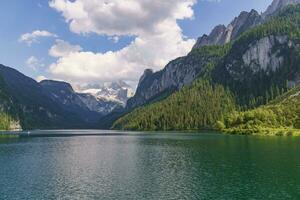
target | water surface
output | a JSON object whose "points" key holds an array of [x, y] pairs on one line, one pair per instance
{"points": [[117, 165]]}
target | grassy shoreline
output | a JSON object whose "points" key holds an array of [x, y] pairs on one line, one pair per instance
{"points": [[284, 132], [9, 136], [264, 131]]}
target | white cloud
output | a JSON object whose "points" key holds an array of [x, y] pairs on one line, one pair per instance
{"points": [[33, 37], [34, 63], [63, 49], [115, 39], [126, 17], [158, 37]]}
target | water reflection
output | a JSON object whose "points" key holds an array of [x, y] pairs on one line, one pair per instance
{"points": [[149, 166]]}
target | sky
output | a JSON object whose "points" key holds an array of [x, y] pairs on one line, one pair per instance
{"points": [[96, 41]]}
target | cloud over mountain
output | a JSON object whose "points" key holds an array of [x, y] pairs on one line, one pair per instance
{"points": [[33, 37], [62, 48], [158, 37]]}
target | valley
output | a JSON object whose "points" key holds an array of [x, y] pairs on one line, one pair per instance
{"points": [[239, 79]]}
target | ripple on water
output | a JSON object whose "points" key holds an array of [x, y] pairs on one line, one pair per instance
{"points": [[145, 166]]}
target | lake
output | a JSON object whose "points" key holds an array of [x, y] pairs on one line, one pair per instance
{"points": [[124, 165]]}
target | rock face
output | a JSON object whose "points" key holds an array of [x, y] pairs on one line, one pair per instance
{"points": [[63, 93], [277, 5], [98, 105], [116, 93], [246, 20], [222, 35], [260, 55], [174, 76], [185, 70], [264, 55], [218, 36]]}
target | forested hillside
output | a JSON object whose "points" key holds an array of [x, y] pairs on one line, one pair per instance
{"points": [[6, 106], [192, 108], [260, 65], [279, 117]]}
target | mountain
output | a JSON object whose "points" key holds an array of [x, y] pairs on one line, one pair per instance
{"points": [[115, 92], [278, 5], [99, 105], [49, 104], [221, 34], [63, 94], [192, 108], [235, 69], [261, 64], [53, 104], [178, 73], [183, 71], [27, 101]]}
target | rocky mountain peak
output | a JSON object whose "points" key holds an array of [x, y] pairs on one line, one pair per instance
{"points": [[85, 104], [183, 71], [221, 34], [147, 73], [242, 23], [59, 85], [215, 37], [117, 92], [277, 5], [118, 85]]}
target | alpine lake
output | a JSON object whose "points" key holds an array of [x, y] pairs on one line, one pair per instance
{"points": [[93, 164]]}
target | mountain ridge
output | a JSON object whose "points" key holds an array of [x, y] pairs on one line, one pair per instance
{"points": [[48, 104], [177, 74], [259, 66]]}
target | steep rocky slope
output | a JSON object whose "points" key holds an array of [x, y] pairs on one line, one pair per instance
{"points": [[222, 34], [178, 73], [182, 71], [278, 5], [261, 64]]}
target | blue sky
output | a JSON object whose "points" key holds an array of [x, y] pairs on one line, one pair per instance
{"points": [[93, 35]]}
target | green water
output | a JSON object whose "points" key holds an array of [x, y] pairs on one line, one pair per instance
{"points": [[149, 166]]}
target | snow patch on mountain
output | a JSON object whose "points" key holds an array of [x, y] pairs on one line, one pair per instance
{"points": [[118, 92]]}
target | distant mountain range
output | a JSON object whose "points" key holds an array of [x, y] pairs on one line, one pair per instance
{"points": [[54, 104], [118, 92]]}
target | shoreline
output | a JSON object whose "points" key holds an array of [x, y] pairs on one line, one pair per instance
{"points": [[277, 132]]}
